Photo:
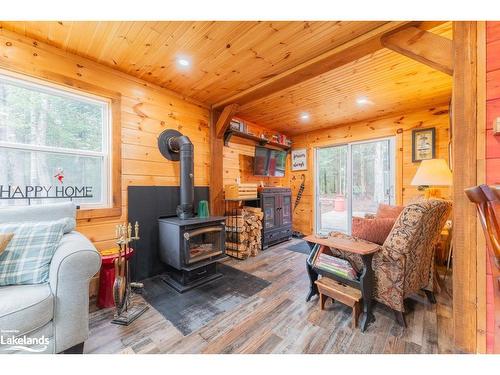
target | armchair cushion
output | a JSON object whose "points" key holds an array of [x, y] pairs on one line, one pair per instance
{"points": [[27, 257], [386, 211], [373, 230]]}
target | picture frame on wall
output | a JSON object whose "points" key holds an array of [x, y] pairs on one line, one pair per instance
{"points": [[299, 159], [423, 144]]}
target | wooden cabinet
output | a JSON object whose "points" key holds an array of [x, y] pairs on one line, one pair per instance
{"points": [[276, 203]]}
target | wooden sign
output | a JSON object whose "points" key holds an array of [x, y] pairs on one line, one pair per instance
{"points": [[299, 159]]}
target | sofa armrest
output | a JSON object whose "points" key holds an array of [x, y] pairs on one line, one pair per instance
{"points": [[75, 261]]}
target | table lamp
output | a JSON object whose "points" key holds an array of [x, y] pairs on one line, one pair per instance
{"points": [[432, 172]]}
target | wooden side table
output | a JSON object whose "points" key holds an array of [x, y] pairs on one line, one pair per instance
{"points": [[107, 277], [366, 281]]}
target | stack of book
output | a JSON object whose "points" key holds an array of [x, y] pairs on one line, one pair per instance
{"points": [[337, 266]]}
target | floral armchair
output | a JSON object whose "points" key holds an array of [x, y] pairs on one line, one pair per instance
{"points": [[405, 263]]}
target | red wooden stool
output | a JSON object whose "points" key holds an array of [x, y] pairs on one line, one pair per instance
{"points": [[107, 277]]}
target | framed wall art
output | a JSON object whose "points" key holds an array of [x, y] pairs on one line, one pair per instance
{"points": [[299, 159], [423, 144]]}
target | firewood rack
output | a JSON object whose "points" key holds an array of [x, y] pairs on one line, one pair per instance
{"points": [[234, 225]]}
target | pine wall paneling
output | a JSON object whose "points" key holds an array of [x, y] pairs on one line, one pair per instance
{"points": [[239, 160], [437, 117], [146, 110]]}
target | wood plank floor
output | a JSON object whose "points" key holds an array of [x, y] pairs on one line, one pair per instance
{"points": [[278, 320]]}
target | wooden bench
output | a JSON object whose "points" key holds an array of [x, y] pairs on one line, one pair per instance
{"points": [[345, 294]]}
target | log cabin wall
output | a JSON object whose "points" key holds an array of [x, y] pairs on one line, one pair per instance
{"points": [[238, 161], [400, 126], [146, 110], [492, 172], [238, 166]]}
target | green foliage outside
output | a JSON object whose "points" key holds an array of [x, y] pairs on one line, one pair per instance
{"points": [[35, 117]]}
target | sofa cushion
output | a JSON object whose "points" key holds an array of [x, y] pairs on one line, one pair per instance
{"points": [[24, 308], [386, 211], [27, 257], [49, 212], [373, 230]]}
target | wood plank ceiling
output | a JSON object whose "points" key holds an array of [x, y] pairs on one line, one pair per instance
{"points": [[384, 82], [229, 57]]}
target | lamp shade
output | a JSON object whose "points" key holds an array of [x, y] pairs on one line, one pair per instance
{"points": [[433, 172]]}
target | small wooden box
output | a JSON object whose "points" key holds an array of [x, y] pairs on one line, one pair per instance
{"points": [[241, 191]]}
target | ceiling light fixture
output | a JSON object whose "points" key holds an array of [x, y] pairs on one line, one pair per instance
{"points": [[304, 116], [363, 100], [183, 62]]}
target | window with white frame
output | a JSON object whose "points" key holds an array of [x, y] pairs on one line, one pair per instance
{"points": [[54, 145]]}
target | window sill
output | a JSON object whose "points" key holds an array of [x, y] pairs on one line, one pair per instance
{"points": [[94, 213]]}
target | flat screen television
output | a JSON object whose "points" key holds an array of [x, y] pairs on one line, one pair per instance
{"points": [[269, 162]]}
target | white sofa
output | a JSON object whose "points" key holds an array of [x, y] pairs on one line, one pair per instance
{"points": [[50, 317]]}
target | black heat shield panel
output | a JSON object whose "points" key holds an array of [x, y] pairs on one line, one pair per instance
{"points": [[145, 205]]}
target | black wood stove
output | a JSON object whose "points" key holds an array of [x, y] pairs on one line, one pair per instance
{"points": [[191, 248], [189, 245]]}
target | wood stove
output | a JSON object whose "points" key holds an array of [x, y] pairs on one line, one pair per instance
{"points": [[189, 245], [191, 248]]}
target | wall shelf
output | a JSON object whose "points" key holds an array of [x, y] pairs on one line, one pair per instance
{"points": [[233, 133]]}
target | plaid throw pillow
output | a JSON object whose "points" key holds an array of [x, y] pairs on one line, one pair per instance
{"points": [[27, 257]]}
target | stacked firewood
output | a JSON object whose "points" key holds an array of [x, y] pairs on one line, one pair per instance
{"points": [[244, 233]]}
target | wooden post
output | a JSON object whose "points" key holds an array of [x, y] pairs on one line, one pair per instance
{"points": [[216, 187], [481, 179], [464, 176]]}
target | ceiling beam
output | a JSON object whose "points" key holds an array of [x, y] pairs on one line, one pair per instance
{"points": [[224, 119], [423, 46], [336, 57]]}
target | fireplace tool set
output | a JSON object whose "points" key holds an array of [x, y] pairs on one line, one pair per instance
{"points": [[126, 310]]}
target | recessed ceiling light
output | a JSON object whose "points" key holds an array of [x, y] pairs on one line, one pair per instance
{"points": [[304, 116], [183, 62], [362, 100]]}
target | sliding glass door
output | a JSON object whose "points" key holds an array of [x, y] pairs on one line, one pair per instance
{"points": [[331, 188], [351, 180]]}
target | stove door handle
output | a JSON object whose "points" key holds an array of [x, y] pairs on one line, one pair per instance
{"points": [[196, 232]]}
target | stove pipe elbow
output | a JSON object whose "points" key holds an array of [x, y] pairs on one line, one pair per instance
{"points": [[179, 147]]}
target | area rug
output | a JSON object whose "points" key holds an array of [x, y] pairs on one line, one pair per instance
{"points": [[300, 247], [197, 307]]}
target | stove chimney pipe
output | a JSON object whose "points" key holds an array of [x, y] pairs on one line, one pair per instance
{"points": [[175, 146]]}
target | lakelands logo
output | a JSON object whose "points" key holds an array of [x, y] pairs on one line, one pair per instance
{"points": [[46, 191], [10, 342]]}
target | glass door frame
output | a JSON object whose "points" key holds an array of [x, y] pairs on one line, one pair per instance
{"points": [[348, 194]]}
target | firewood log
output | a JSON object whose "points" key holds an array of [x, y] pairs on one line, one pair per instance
{"points": [[236, 246]]}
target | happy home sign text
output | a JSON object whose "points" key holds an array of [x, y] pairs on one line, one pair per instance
{"points": [[44, 192]]}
